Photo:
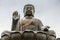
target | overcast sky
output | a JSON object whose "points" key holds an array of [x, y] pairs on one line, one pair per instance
{"points": [[48, 11]]}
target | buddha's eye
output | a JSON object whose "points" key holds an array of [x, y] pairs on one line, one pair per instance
{"points": [[28, 8]]}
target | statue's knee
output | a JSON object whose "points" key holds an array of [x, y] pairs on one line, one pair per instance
{"points": [[52, 35], [15, 36], [5, 38], [51, 38], [51, 32], [41, 36], [28, 35]]}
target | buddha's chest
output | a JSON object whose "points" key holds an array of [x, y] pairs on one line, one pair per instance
{"points": [[29, 24]]}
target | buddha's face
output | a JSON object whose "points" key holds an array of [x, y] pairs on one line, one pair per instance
{"points": [[29, 10]]}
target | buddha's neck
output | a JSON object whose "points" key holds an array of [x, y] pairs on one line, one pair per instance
{"points": [[28, 17]]}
